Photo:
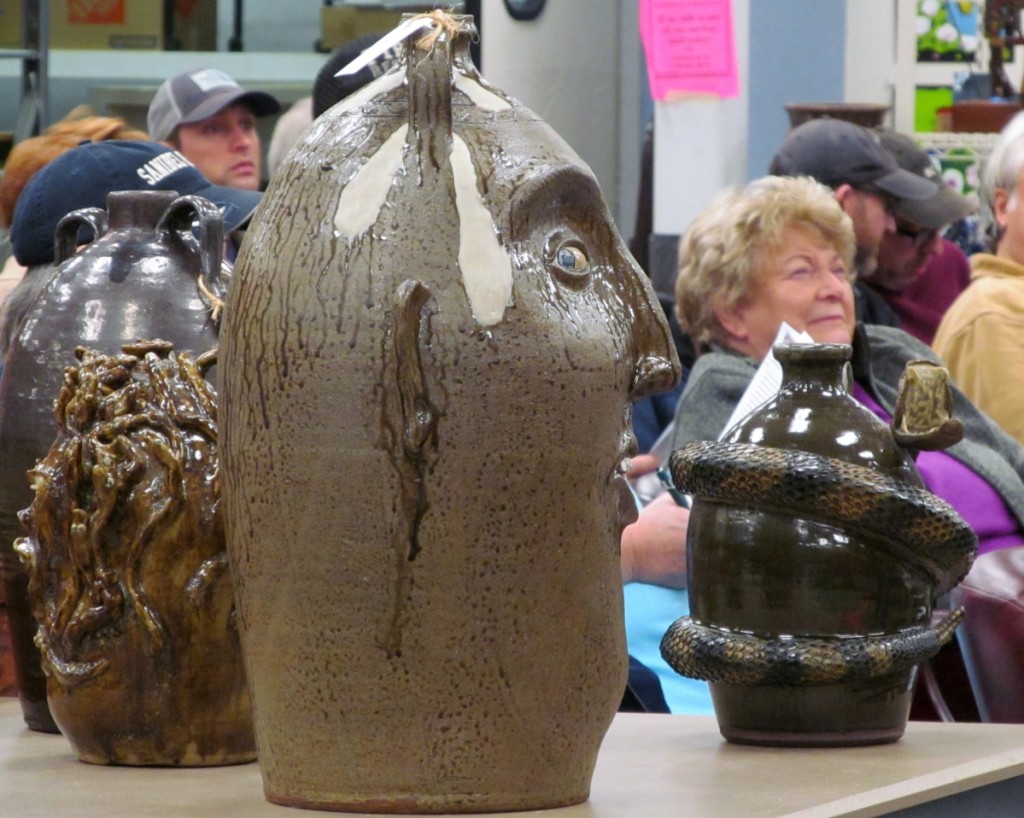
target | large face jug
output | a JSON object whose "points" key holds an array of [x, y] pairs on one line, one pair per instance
{"points": [[431, 346], [153, 272]]}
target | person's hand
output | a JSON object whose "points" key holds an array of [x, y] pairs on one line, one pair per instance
{"points": [[642, 477], [641, 464], [654, 547]]}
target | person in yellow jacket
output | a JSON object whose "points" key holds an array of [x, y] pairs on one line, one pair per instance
{"points": [[981, 336]]}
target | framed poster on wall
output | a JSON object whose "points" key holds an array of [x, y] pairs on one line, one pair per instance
{"points": [[948, 30]]}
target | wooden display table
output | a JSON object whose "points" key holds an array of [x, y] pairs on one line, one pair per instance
{"points": [[650, 767]]}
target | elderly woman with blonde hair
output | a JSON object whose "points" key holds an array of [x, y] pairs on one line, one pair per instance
{"points": [[780, 244], [780, 250]]}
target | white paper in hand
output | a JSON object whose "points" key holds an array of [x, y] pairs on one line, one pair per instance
{"points": [[766, 380]]}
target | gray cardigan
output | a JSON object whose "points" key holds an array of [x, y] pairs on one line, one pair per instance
{"points": [[719, 378]]}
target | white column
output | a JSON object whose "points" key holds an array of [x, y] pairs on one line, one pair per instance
{"points": [[577, 68], [700, 146]]}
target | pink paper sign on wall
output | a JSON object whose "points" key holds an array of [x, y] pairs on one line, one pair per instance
{"points": [[690, 47]]}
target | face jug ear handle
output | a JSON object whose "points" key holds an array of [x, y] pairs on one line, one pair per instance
{"points": [[419, 416]]}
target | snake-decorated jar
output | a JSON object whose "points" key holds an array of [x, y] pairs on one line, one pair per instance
{"points": [[814, 556]]}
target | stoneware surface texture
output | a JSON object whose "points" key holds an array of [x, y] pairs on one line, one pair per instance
{"points": [[18, 301], [128, 572], [431, 346]]}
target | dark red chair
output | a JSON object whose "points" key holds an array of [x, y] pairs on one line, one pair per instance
{"points": [[991, 636]]}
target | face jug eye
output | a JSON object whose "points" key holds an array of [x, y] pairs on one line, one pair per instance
{"points": [[572, 260], [568, 259]]}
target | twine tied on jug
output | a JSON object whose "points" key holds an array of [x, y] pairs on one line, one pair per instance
{"points": [[444, 23]]}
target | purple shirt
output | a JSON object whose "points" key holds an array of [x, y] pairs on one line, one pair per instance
{"points": [[969, 493]]}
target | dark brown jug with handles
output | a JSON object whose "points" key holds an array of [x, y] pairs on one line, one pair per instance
{"points": [[144, 276]]}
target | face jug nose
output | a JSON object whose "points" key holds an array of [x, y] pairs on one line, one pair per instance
{"points": [[657, 366], [654, 374]]}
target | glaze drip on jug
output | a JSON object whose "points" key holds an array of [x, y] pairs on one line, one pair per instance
{"points": [[426, 413]]}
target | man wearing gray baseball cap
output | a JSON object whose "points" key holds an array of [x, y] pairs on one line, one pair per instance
{"points": [[211, 119]]}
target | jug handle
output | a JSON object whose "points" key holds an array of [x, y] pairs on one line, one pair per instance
{"points": [[180, 216], [65, 236]]}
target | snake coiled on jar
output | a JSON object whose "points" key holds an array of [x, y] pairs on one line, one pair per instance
{"points": [[717, 655], [916, 528]]}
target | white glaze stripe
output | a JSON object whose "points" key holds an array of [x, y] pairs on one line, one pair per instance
{"points": [[364, 196], [381, 85], [480, 95], [485, 265]]}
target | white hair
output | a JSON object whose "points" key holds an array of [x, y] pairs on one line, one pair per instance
{"points": [[1000, 171]]}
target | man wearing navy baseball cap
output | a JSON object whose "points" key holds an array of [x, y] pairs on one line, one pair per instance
{"points": [[84, 176], [211, 119], [868, 183]]}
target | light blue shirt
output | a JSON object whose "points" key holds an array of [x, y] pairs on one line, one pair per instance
{"points": [[650, 609]]}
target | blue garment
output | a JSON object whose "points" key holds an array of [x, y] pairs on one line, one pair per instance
{"points": [[650, 609], [652, 414], [643, 691]]}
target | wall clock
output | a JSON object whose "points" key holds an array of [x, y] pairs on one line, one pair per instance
{"points": [[524, 9]]}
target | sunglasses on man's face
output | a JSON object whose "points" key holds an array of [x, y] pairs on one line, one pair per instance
{"points": [[921, 236]]}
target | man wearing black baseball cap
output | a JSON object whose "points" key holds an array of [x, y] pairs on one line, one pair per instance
{"points": [[867, 182], [84, 176], [920, 273], [211, 119]]}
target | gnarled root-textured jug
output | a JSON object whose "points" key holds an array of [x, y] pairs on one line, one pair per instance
{"points": [[144, 276], [128, 573], [814, 556], [430, 348]]}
